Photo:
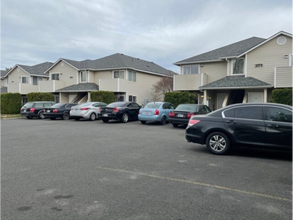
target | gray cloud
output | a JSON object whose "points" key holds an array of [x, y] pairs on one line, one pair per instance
{"points": [[163, 32]]}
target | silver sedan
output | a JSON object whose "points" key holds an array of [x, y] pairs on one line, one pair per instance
{"points": [[88, 111]]}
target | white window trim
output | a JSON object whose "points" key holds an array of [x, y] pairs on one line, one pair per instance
{"points": [[290, 59], [86, 72], [189, 65], [133, 72], [244, 67], [124, 71], [54, 74], [132, 98], [25, 77]]}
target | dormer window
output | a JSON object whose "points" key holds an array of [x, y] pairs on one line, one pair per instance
{"points": [[190, 69], [238, 66]]}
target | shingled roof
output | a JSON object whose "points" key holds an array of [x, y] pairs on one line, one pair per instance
{"points": [[118, 61], [38, 69], [3, 73], [236, 82], [81, 87], [232, 50]]}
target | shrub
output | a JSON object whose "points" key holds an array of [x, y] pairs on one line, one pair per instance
{"points": [[177, 98], [10, 103], [282, 96], [102, 96], [40, 96]]}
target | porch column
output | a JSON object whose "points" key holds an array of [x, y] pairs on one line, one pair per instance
{"points": [[205, 97], [89, 96], [265, 95]]}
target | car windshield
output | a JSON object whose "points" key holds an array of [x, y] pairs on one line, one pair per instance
{"points": [[153, 105], [117, 104], [59, 105], [192, 108], [85, 104], [28, 105]]}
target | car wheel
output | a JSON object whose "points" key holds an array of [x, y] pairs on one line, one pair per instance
{"points": [[143, 122], [65, 116], [41, 115], [105, 120], [29, 117], [92, 117], [124, 118], [163, 120], [218, 143], [175, 125]]}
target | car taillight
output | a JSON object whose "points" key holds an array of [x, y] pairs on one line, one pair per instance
{"points": [[139, 112], [115, 110], [171, 114], [157, 112], [193, 122], [189, 115], [32, 109], [84, 109], [55, 110], [99, 110]]}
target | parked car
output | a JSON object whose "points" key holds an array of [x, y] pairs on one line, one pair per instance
{"points": [[156, 112], [121, 111], [59, 110], [88, 110], [35, 109], [248, 125], [183, 112]]}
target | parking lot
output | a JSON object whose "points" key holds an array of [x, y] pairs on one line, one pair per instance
{"points": [[94, 170]]}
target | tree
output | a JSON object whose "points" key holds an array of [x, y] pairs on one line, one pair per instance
{"points": [[163, 86]]}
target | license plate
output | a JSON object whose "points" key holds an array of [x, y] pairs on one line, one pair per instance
{"points": [[147, 113], [105, 115], [48, 110], [180, 115], [24, 110]]}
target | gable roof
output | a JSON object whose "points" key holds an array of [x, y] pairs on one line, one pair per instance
{"points": [[236, 82], [80, 88], [36, 70], [118, 61], [232, 50]]}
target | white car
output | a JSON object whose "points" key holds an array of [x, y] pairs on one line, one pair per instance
{"points": [[88, 110]]}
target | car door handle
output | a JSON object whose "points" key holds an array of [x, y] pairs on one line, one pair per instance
{"points": [[230, 121], [272, 126]]}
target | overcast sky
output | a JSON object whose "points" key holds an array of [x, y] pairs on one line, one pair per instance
{"points": [[161, 31]]}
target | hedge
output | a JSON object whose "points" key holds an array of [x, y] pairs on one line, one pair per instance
{"points": [[282, 96], [40, 96], [102, 96], [10, 103], [177, 98]]}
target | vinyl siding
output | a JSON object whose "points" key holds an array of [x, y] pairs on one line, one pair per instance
{"points": [[270, 55]]}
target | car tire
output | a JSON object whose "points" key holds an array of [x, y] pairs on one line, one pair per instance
{"points": [[124, 118], [175, 125], [92, 117], [143, 122], [218, 143], [65, 116], [29, 117], [105, 120], [163, 120], [41, 115]]}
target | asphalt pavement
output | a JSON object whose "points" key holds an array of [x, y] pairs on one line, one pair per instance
{"points": [[93, 170]]}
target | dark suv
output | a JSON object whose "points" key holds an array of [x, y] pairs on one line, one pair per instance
{"points": [[35, 109]]}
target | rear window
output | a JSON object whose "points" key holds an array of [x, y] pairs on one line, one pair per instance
{"points": [[59, 105], [117, 104], [193, 108], [153, 105], [28, 105]]}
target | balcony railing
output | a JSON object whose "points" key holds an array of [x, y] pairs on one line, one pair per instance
{"points": [[115, 85], [51, 85], [190, 82], [22, 88], [283, 77]]}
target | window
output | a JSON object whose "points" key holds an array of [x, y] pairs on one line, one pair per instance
{"points": [[238, 66], [119, 74], [132, 98], [55, 76], [132, 76], [38, 105], [191, 69], [278, 114], [24, 79], [229, 113], [36, 80], [83, 76], [253, 112], [258, 65]]}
